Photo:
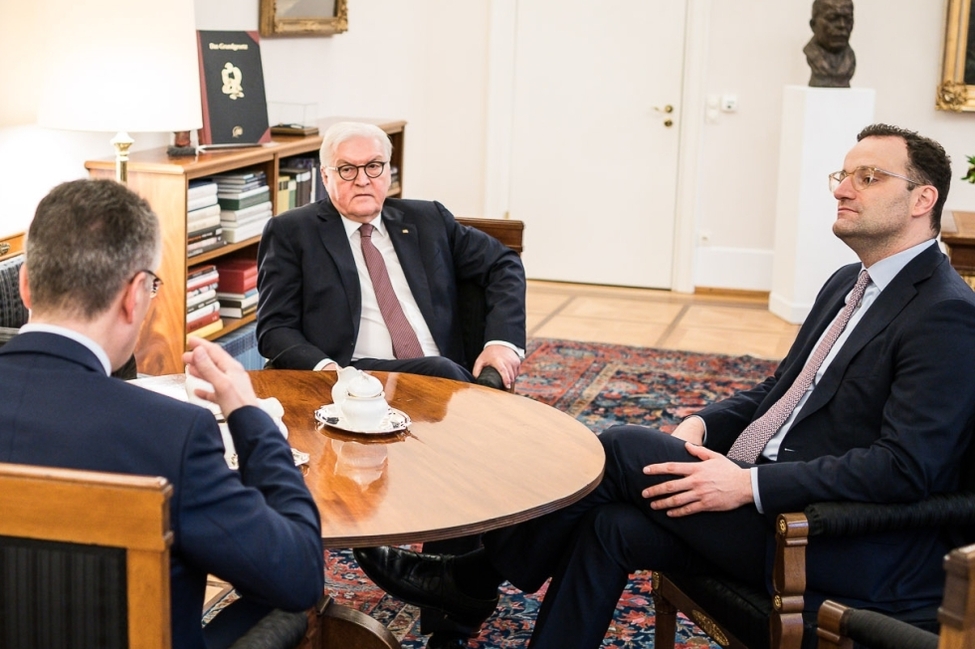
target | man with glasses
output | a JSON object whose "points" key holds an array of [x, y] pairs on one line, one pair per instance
{"points": [[873, 403], [359, 279], [88, 283], [369, 281]]}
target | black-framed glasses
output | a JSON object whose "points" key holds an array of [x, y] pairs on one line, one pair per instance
{"points": [[156, 281], [863, 177], [372, 169]]}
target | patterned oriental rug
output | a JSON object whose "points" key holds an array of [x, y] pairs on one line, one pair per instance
{"points": [[600, 385]]}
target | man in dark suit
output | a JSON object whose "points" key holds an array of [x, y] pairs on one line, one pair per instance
{"points": [[321, 300], [87, 281], [877, 408], [319, 306]]}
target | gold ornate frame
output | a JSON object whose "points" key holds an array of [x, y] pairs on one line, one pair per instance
{"points": [[271, 24], [953, 93]]}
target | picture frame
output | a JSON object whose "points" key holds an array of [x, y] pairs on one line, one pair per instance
{"points": [[957, 89], [303, 17]]}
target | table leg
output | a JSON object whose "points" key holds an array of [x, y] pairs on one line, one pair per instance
{"points": [[341, 626]]}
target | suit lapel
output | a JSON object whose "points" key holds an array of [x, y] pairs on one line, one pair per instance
{"points": [[406, 242], [336, 242], [887, 306]]}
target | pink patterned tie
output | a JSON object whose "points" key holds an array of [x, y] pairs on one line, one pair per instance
{"points": [[757, 434], [405, 342]]}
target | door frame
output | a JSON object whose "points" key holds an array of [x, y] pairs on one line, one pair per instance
{"points": [[500, 120]]}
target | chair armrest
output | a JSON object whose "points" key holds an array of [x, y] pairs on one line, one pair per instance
{"points": [[6, 333], [849, 519], [276, 630], [837, 623]]}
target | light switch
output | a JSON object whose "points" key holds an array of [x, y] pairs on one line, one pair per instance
{"points": [[729, 103]]}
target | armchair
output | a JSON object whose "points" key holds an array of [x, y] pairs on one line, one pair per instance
{"points": [[84, 562], [470, 297], [840, 626], [739, 617], [13, 313]]}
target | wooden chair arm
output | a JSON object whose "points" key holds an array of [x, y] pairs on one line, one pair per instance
{"points": [[840, 627]]}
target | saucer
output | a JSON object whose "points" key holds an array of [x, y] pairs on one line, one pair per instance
{"points": [[394, 421]]}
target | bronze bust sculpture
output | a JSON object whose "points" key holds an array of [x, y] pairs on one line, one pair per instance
{"points": [[830, 57]]}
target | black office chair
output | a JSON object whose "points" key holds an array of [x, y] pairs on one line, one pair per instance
{"points": [[740, 617], [840, 626]]}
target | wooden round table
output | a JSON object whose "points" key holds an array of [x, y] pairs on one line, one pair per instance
{"points": [[472, 460]]}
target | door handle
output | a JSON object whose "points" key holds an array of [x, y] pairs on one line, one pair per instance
{"points": [[666, 109]]}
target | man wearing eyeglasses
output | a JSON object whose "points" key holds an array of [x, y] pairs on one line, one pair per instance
{"points": [[88, 283], [873, 403], [361, 279]]}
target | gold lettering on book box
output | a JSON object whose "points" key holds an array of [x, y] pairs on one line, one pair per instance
{"points": [[229, 46]]}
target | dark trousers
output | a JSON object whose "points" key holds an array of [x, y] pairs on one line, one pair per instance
{"points": [[590, 548], [428, 366]]}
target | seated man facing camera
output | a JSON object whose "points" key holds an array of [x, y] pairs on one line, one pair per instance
{"points": [[873, 403], [88, 283], [359, 279]]}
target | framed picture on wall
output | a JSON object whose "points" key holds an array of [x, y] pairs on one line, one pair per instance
{"points": [[303, 17], [957, 89]]}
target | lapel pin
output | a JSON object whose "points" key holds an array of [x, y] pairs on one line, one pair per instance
{"points": [[405, 231]]}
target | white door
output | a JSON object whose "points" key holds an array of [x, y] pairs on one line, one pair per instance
{"points": [[595, 138]]}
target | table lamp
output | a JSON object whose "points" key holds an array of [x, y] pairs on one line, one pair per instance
{"points": [[121, 66]]}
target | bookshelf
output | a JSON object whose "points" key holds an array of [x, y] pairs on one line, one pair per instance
{"points": [[163, 181]]}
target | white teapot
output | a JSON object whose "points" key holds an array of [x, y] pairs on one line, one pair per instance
{"points": [[361, 400]]}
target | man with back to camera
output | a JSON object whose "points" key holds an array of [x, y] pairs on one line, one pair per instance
{"points": [[88, 283], [319, 305], [871, 404]]}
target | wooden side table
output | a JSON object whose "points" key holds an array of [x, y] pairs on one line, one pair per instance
{"points": [[958, 234]]}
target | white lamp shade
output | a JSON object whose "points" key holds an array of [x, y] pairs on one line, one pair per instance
{"points": [[121, 65]]}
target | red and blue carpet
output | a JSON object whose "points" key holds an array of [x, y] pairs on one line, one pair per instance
{"points": [[600, 385]]}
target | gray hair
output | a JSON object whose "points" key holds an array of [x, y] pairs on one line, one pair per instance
{"points": [[341, 132], [87, 240]]}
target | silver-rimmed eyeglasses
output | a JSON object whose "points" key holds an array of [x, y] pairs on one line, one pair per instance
{"points": [[156, 281], [863, 177], [372, 169]]}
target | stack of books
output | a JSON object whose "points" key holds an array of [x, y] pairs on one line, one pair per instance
{"points": [[287, 192], [203, 229], [245, 204], [307, 174], [202, 307], [237, 288]]}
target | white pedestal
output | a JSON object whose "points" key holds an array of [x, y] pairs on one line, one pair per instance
{"points": [[819, 127]]}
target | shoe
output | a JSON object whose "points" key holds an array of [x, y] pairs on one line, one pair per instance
{"points": [[423, 580], [446, 640]]}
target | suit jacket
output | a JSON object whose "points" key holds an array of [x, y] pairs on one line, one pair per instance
{"points": [[257, 528], [891, 421], [310, 301]]}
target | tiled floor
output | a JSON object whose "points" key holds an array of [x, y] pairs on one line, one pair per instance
{"points": [[714, 323]]}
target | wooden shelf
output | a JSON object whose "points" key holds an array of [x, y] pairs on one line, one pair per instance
{"points": [[163, 181]]}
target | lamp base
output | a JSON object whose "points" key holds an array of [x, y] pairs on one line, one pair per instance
{"points": [[174, 151], [182, 146]]}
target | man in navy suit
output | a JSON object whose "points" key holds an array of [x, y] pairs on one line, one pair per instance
{"points": [[88, 283], [888, 417], [318, 307]]}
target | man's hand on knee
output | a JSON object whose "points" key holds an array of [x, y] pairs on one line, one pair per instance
{"points": [[711, 485]]}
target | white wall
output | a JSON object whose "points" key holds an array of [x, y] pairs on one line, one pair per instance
{"points": [[755, 49], [433, 73], [424, 61]]}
